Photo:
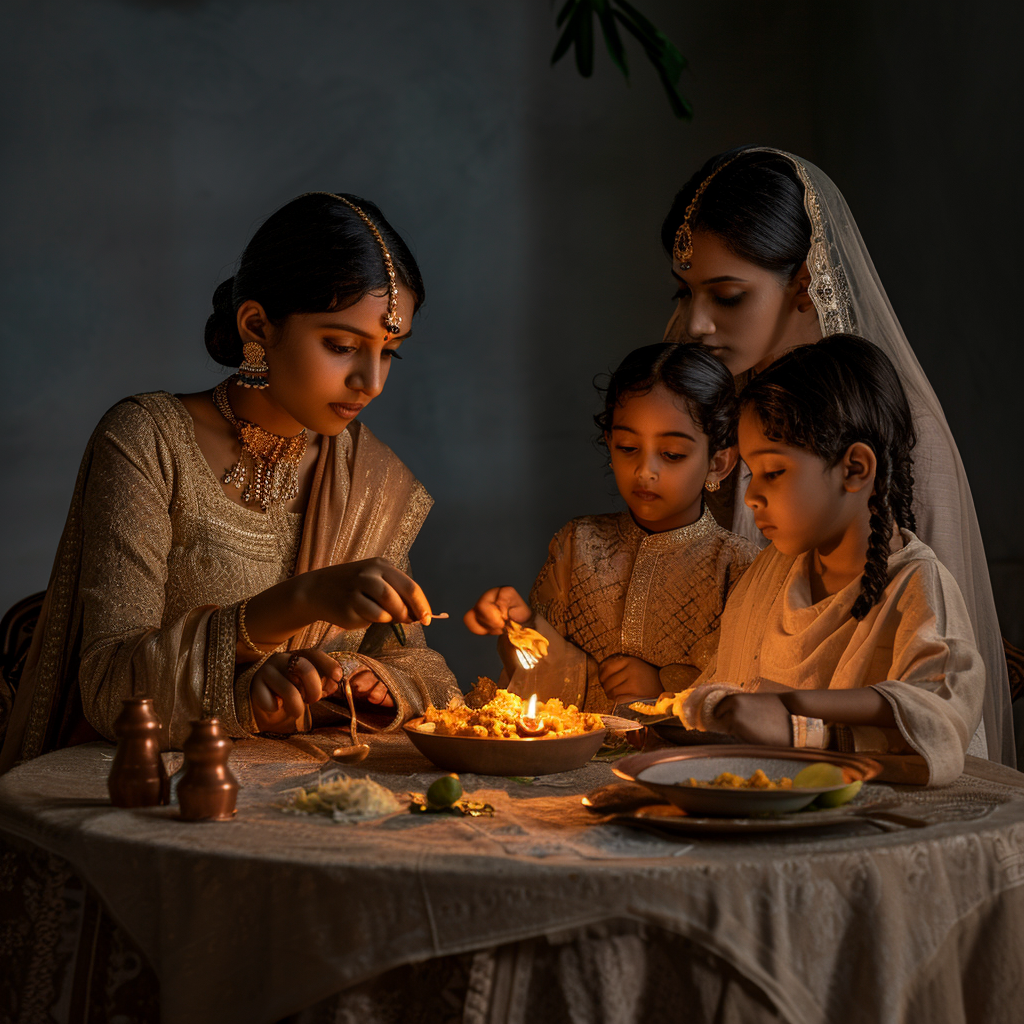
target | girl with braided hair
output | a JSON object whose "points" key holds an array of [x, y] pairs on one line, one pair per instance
{"points": [[766, 255], [846, 631]]}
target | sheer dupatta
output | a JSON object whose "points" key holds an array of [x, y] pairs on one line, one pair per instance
{"points": [[849, 297], [374, 508], [367, 505]]}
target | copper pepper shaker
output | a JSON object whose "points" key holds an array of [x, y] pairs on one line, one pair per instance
{"points": [[137, 777], [208, 790]]}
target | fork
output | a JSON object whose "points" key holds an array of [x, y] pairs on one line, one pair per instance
{"points": [[527, 659]]}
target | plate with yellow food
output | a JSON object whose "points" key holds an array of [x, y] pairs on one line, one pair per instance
{"points": [[507, 735], [748, 781]]}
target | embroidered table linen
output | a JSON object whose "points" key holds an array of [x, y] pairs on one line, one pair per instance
{"points": [[258, 918]]}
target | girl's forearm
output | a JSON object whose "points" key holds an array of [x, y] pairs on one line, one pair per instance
{"points": [[279, 612], [865, 706]]}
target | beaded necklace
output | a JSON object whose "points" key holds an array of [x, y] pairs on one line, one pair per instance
{"points": [[268, 467]]}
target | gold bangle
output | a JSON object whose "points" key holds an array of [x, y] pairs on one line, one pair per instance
{"points": [[244, 633]]}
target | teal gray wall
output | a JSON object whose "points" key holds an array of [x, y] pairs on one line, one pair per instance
{"points": [[142, 142]]}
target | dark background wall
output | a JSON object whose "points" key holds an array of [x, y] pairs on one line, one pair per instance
{"points": [[143, 141]]}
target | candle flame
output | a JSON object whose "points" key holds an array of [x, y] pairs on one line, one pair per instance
{"points": [[531, 707]]}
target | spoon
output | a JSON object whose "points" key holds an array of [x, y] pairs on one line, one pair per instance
{"points": [[356, 751], [399, 630]]}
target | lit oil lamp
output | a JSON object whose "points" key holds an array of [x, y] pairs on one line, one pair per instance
{"points": [[529, 724]]}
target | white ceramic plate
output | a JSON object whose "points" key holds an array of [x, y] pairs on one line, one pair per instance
{"points": [[666, 818], [667, 773]]}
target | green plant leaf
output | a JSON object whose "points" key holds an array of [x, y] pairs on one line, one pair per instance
{"points": [[565, 12], [567, 38], [579, 31], [585, 38], [663, 54], [612, 39], [654, 34], [680, 105], [577, 17]]}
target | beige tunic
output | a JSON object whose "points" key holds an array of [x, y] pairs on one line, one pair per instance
{"points": [[608, 587], [155, 560], [916, 647]]}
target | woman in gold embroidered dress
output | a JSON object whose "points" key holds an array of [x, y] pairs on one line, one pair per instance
{"points": [[630, 601], [244, 552], [767, 256]]}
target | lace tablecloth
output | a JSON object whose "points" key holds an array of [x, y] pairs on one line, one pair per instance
{"points": [[255, 919]]}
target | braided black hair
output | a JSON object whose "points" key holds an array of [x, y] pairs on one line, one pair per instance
{"points": [[688, 370], [314, 255], [825, 397]]}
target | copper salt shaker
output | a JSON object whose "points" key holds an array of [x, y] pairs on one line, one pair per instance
{"points": [[137, 777], [208, 790]]}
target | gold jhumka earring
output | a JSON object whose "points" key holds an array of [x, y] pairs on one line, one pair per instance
{"points": [[712, 485], [391, 320], [682, 248], [268, 467], [254, 371]]}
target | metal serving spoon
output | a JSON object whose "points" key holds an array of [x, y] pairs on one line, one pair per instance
{"points": [[356, 751]]}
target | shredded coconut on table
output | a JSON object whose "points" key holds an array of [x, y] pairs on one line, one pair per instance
{"points": [[344, 799]]}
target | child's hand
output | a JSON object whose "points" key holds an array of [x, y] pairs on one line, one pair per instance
{"points": [[624, 677], [495, 607], [279, 697], [755, 718]]}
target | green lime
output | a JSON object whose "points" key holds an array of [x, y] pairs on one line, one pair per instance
{"points": [[444, 791], [819, 775], [838, 797]]}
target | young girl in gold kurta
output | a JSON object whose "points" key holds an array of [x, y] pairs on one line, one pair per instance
{"points": [[846, 631], [630, 601]]}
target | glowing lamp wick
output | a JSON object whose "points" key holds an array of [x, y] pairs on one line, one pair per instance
{"points": [[528, 725]]}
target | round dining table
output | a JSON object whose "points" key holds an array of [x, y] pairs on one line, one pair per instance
{"points": [[545, 910]]}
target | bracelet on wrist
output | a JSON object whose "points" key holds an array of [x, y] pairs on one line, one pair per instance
{"points": [[244, 633]]}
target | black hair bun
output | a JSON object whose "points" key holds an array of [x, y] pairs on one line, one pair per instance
{"points": [[313, 255], [223, 341]]}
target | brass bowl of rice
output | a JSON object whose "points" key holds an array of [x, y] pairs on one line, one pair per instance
{"points": [[490, 740]]}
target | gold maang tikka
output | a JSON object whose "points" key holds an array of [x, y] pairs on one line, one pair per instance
{"points": [[682, 248], [391, 320], [268, 467]]}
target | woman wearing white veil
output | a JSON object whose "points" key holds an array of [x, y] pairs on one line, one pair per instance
{"points": [[767, 256]]}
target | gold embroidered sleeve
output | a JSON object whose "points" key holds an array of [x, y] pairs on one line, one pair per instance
{"points": [[415, 675], [550, 592], [187, 664]]}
